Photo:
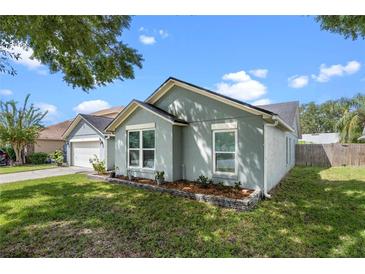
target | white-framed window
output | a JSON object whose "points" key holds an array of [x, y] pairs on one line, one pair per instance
{"points": [[225, 151], [141, 148]]}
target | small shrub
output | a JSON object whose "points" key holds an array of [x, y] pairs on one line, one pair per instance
{"points": [[112, 173], [160, 177], [98, 166], [220, 184], [57, 156], [237, 185], [203, 180], [38, 158]]}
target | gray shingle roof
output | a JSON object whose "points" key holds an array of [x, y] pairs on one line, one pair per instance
{"points": [[161, 112], [99, 122], [286, 111]]}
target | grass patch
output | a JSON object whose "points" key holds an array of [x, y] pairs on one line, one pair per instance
{"points": [[22, 168], [314, 213]]}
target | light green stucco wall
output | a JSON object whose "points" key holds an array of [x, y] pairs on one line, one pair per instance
{"points": [[196, 142], [110, 153], [163, 144], [177, 153]]}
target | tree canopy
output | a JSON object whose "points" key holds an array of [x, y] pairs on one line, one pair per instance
{"points": [[87, 49], [352, 123], [350, 26], [19, 126], [342, 115]]}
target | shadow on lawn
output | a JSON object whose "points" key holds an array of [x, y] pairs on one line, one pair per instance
{"points": [[308, 217]]}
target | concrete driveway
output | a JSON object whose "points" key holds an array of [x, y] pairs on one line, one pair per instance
{"points": [[44, 173]]}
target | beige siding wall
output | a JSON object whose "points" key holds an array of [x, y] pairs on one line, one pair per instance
{"points": [[48, 146]]}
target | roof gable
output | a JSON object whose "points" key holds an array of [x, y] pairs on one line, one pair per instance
{"points": [[54, 132], [286, 110], [98, 123], [171, 82], [134, 105]]}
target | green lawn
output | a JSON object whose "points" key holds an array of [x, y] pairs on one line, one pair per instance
{"points": [[314, 213], [14, 169]]}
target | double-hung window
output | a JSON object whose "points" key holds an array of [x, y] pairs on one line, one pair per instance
{"points": [[224, 151], [141, 148]]}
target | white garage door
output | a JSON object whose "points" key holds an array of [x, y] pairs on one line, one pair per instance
{"points": [[83, 151]]}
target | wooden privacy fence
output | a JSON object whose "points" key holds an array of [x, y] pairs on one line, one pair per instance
{"points": [[330, 155]]}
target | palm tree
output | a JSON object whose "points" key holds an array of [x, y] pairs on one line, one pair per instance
{"points": [[351, 125], [19, 126]]}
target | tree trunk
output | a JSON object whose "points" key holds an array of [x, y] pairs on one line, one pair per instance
{"points": [[18, 154]]}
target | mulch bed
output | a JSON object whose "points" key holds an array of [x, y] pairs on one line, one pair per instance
{"points": [[193, 187]]}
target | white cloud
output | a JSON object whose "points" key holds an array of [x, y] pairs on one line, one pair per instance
{"points": [[242, 88], [6, 92], [141, 29], [25, 58], [298, 81], [91, 106], [239, 76], [147, 40], [52, 114], [52, 109], [260, 73], [260, 102], [326, 73], [163, 33]]}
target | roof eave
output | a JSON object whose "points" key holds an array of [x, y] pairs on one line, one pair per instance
{"points": [[120, 118], [74, 124]]}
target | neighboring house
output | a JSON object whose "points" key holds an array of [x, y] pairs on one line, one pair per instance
{"points": [[320, 138], [187, 131], [85, 137], [50, 138]]}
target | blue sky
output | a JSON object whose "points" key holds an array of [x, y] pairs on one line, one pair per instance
{"points": [[258, 59]]}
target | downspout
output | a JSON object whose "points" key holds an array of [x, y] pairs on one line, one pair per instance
{"points": [[267, 195]]}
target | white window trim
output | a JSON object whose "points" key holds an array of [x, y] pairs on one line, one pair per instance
{"points": [[141, 149], [215, 172], [140, 126], [229, 125]]}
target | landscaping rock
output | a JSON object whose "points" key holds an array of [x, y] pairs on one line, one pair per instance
{"points": [[239, 204]]}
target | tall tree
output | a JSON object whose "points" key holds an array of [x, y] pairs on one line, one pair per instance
{"points": [[350, 26], [19, 126], [321, 118], [351, 124], [309, 118], [87, 49]]}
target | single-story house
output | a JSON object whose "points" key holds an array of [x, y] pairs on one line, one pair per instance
{"points": [[50, 138], [85, 138], [187, 131], [321, 138]]}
